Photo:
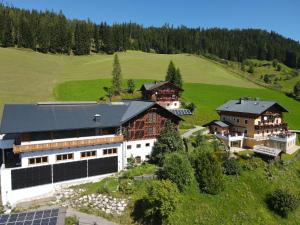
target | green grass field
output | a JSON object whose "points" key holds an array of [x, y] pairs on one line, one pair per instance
{"points": [[27, 76], [207, 97]]}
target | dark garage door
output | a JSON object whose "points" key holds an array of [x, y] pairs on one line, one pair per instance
{"points": [[28, 177], [69, 171], [102, 166]]}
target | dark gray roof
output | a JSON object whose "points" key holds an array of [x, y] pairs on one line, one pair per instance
{"points": [[18, 118], [150, 86], [249, 106], [221, 123]]}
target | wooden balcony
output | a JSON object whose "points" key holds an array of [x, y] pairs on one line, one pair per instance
{"points": [[66, 143], [283, 126]]}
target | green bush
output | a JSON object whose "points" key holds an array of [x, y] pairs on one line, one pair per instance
{"points": [[231, 167], [159, 202], [168, 141], [253, 163], [208, 172], [199, 140], [139, 170], [282, 202], [71, 220], [126, 186], [177, 168]]}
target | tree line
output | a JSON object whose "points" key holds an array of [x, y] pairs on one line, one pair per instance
{"points": [[48, 31]]}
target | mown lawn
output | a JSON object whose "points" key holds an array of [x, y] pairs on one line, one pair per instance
{"points": [[207, 97]]}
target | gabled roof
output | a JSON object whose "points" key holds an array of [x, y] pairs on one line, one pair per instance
{"points": [[156, 84], [18, 118], [249, 106]]}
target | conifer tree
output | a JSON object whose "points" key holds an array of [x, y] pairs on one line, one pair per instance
{"points": [[171, 72], [8, 39], [178, 78], [117, 76]]}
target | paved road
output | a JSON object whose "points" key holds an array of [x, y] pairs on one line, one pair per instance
{"points": [[87, 219], [191, 131]]}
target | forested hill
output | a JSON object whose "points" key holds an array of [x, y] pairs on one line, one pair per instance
{"points": [[53, 32]]}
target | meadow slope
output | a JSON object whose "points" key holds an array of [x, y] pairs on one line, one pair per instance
{"points": [[207, 97], [27, 76]]}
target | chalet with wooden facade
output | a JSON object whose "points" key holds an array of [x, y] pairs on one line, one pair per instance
{"points": [[164, 93], [46, 145], [254, 124]]}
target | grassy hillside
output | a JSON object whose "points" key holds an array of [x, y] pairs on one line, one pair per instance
{"points": [[27, 76], [207, 97], [283, 79]]}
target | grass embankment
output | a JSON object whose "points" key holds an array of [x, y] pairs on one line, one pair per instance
{"points": [[207, 97], [27, 76], [242, 201]]}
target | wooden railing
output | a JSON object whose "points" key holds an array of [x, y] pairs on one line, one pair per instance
{"points": [[271, 126], [56, 144]]}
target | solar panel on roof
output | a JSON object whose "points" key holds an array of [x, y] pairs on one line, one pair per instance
{"points": [[181, 112], [41, 217]]}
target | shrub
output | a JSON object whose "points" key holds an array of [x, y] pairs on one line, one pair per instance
{"points": [[297, 89], [253, 163], [177, 168], [159, 202], [126, 186], [231, 167], [130, 86], [208, 172], [71, 220], [251, 69], [282, 202], [199, 140], [168, 141]]}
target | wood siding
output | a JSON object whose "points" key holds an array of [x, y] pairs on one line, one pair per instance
{"points": [[145, 126]]}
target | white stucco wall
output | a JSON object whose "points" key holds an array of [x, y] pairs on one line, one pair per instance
{"points": [[12, 197], [26, 194], [143, 151], [76, 151]]}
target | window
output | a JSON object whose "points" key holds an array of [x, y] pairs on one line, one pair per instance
{"points": [[88, 154], [110, 151], [38, 160], [237, 120], [138, 159], [151, 130], [246, 121], [147, 144], [64, 157], [138, 146], [152, 118], [245, 131], [128, 146]]}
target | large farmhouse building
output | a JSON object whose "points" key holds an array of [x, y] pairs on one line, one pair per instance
{"points": [[46, 145], [164, 93], [254, 124]]}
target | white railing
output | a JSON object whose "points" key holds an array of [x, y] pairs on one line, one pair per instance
{"points": [[231, 137], [283, 138]]}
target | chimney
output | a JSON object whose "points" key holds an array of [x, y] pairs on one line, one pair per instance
{"points": [[241, 101], [97, 118]]}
